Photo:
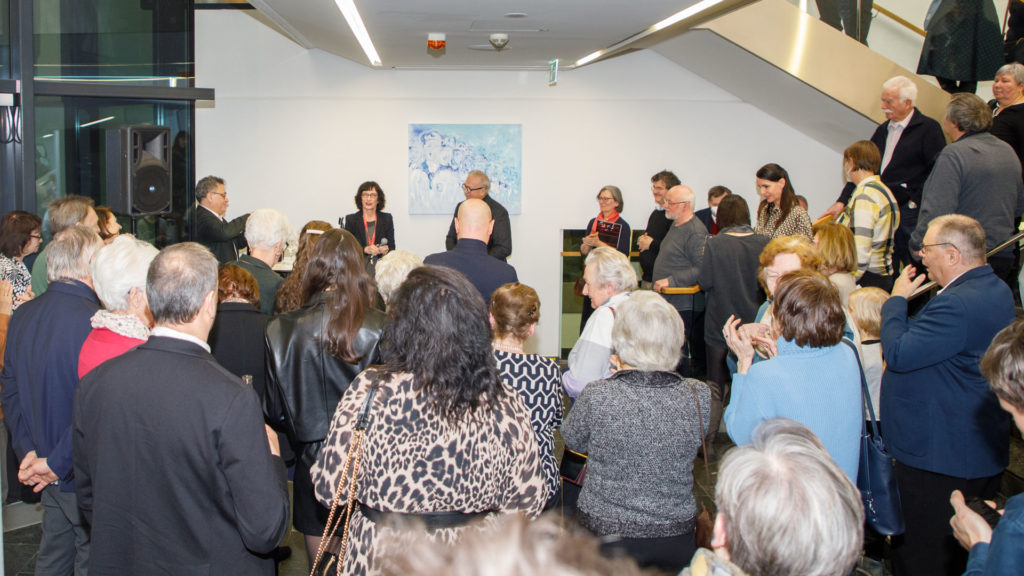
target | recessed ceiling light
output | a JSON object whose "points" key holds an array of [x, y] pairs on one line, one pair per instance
{"points": [[516, 15]]}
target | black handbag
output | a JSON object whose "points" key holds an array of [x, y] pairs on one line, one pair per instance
{"points": [[573, 468], [876, 475]]}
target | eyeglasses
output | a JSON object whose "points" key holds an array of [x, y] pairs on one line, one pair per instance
{"points": [[221, 194], [369, 194], [677, 203], [923, 246], [605, 199], [36, 236], [466, 188]]}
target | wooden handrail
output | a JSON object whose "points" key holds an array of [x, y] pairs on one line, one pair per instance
{"points": [[677, 290], [899, 20], [578, 254], [822, 220]]}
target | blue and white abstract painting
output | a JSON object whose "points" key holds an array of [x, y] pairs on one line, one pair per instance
{"points": [[441, 155]]}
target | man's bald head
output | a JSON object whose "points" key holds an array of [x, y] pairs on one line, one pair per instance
{"points": [[474, 220], [679, 204]]}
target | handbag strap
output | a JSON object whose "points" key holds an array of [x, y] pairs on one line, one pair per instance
{"points": [[347, 478], [865, 393], [700, 424]]}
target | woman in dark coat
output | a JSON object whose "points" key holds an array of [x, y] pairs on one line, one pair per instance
{"points": [[313, 353], [371, 225], [963, 45]]}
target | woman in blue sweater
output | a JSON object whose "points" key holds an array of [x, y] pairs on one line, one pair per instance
{"points": [[812, 377]]}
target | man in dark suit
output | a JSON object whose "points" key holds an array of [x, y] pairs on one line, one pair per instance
{"points": [[709, 216], [499, 245], [223, 238], [39, 378], [172, 456], [909, 143], [474, 225], [266, 232], [941, 421]]}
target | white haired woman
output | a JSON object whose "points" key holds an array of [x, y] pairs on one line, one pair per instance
{"points": [[392, 269], [609, 278], [784, 507], [267, 233], [119, 277], [641, 428]]}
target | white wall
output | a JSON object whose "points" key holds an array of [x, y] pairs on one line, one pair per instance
{"points": [[298, 130]]}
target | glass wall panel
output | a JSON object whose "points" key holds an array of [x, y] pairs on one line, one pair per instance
{"points": [[5, 39], [141, 42], [72, 156]]}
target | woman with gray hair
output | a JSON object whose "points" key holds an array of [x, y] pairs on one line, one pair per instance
{"points": [[784, 507], [608, 280], [1007, 109], [641, 428], [609, 229], [119, 277], [392, 269]]}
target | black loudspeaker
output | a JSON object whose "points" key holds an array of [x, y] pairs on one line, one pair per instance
{"points": [[139, 170]]}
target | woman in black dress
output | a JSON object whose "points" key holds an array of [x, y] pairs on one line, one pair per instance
{"points": [[313, 353]]}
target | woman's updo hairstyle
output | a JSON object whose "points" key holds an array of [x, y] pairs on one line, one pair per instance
{"points": [[515, 307]]}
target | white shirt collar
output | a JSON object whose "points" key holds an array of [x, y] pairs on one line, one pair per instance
{"points": [[902, 123], [172, 333], [953, 280]]}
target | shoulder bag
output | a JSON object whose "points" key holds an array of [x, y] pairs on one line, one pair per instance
{"points": [[330, 556], [876, 475]]}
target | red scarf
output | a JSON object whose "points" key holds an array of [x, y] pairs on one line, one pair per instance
{"points": [[613, 218]]}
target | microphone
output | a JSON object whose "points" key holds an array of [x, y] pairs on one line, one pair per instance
{"points": [[383, 242]]}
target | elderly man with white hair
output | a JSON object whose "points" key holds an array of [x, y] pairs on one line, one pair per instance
{"points": [[909, 143], [267, 232], [119, 278], [40, 376]]}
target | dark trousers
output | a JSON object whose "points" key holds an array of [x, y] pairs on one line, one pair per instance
{"points": [[1004, 268], [719, 381], [952, 86], [928, 547], [670, 554], [870, 279], [585, 313], [683, 368]]}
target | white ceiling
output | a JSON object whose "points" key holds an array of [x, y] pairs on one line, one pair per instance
{"points": [[564, 29]]}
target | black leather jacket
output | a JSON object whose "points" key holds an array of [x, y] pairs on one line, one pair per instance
{"points": [[304, 381]]}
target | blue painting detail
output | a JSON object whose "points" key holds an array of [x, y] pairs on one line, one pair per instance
{"points": [[441, 155]]}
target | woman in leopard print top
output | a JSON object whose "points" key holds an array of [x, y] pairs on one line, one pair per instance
{"points": [[445, 435]]}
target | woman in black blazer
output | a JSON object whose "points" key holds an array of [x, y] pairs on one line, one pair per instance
{"points": [[370, 225]]}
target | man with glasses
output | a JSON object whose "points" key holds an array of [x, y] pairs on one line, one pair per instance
{"points": [[477, 186], [212, 230], [942, 423], [679, 260], [657, 226]]}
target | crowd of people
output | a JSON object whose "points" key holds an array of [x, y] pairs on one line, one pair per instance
{"points": [[160, 401]]}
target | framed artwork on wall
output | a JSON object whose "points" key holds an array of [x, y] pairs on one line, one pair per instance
{"points": [[441, 155]]}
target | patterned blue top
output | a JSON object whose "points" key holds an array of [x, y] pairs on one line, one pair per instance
{"points": [[539, 383]]}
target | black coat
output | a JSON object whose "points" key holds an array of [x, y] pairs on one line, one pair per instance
{"points": [[385, 228], [304, 381], [224, 239], [173, 469]]}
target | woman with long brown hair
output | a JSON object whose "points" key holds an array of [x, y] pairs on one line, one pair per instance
{"points": [[779, 214], [313, 353], [289, 295]]}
